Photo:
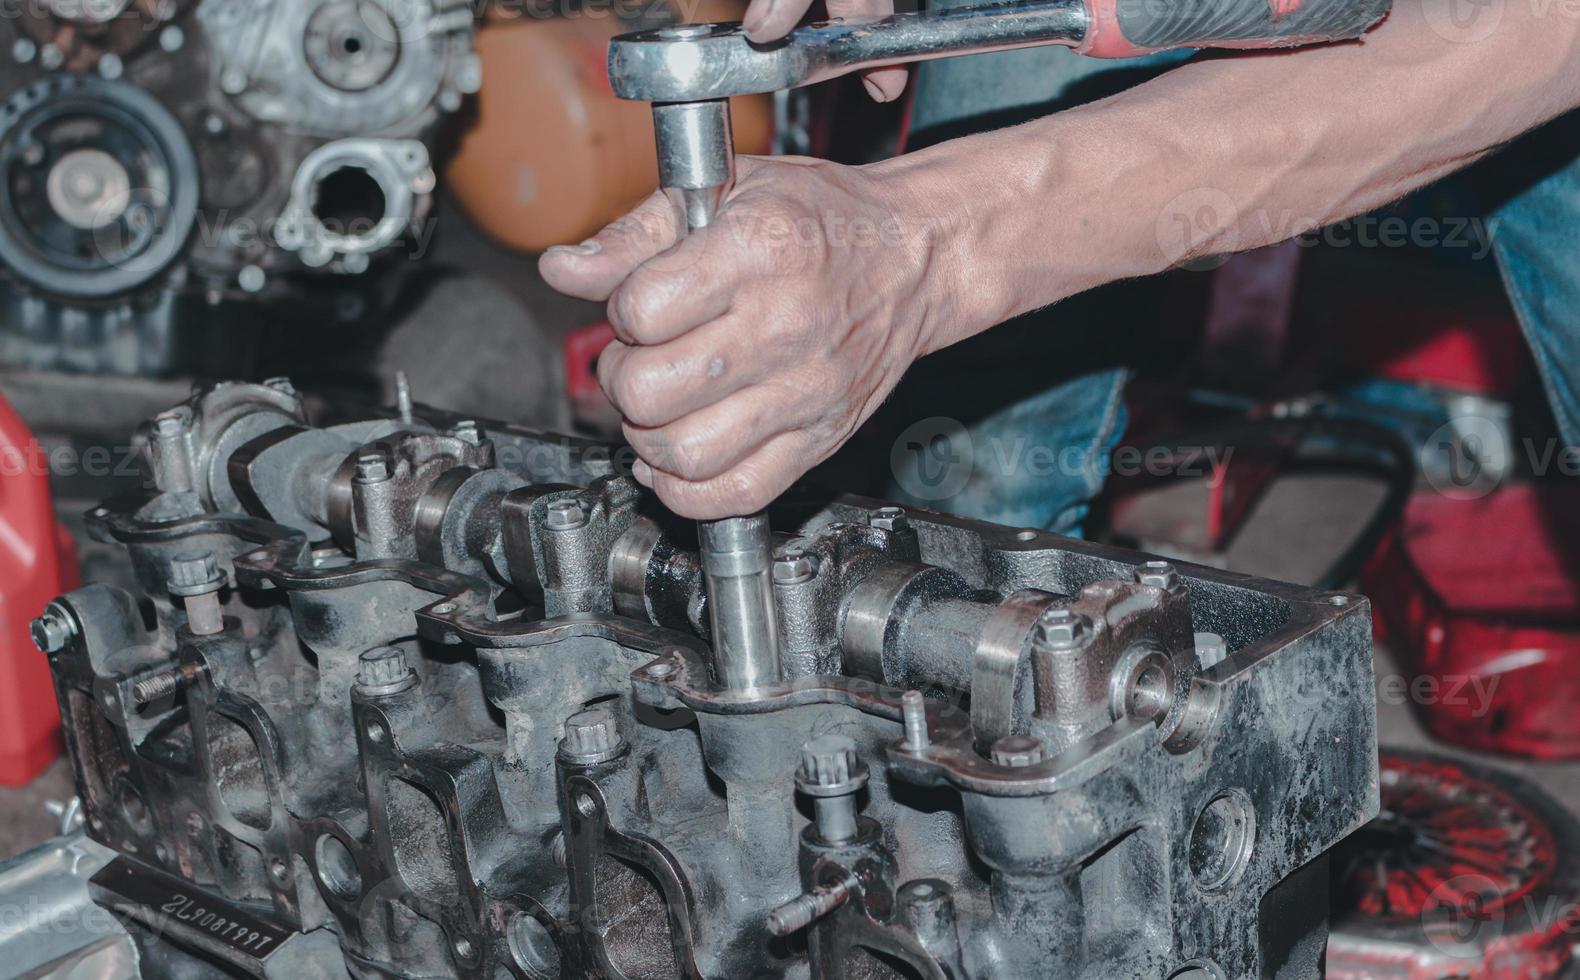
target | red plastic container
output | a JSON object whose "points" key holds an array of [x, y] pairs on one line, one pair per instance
{"points": [[37, 563], [1482, 598]]}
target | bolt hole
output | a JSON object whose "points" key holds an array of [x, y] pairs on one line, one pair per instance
{"points": [[278, 869], [532, 947], [337, 868], [587, 805], [444, 609], [463, 948], [376, 733], [1338, 600], [349, 201], [1221, 841], [1026, 536]]}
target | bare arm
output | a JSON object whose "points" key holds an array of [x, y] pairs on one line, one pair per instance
{"points": [[749, 354], [1234, 153]]}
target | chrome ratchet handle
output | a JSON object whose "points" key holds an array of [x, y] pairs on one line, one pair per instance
{"points": [[693, 62]]}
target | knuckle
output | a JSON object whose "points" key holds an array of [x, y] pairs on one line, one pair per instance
{"points": [[749, 487], [695, 452], [633, 395]]}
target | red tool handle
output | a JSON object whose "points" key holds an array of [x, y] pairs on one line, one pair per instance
{"points": [[1125, 28]]}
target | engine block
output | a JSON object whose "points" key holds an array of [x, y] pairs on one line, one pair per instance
{"points": [[417, 695]]}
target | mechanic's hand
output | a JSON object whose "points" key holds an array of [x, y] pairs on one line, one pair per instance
{"points": [[770, 20], [750, 351]]}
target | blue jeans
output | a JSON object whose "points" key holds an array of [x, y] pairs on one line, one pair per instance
{"points": [[1536, 237]]}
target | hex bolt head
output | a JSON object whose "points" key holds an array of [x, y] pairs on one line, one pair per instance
{"points": [[1018, 751], [1062, 629], [53, 630], [591, 737], [565, 515], [830, 766], [372, 467], [1158, 573], [384, 670], [794, 566], [467, 431], [889, 519], [194, 574]]}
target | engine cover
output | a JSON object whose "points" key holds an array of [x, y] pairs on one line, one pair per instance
{"points": [[418, 695]]}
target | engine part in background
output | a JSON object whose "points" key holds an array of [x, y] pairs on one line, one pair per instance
{"points": [[430, 695], [92, 35], [1467, 872], [37, 561], [344, 67], [354, 197], [98, 187], [253, 153], [584, 157]]}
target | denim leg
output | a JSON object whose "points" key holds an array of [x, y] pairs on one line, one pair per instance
{"points": [[1536, 236], [1037, 463]]}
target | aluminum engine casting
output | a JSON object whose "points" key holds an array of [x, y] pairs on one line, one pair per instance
{"points": [[419, 695], [162, 155]]}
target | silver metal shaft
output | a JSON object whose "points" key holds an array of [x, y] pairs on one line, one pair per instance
{"points": [[712, 61], [696, 169]]}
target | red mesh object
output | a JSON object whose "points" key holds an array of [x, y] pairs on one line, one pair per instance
{"points": [[1482, 598], [37, 563], [1465, 873]]}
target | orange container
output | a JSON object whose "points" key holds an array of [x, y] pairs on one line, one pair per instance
{"points": [[552, 156]]}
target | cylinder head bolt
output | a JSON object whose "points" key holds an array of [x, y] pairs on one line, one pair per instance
{"points": [[1159, 574], [383, 671], [1061, 630], [565, 515], [793, 566], [196, 577], [832, 773], [591, 737], [1018, 751]]}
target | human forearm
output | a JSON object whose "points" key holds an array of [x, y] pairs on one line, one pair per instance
{"points": [[1233, 153]]}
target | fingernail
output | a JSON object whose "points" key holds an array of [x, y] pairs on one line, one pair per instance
{"points": [[757, 16], [643, 473], [589, 247]]}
